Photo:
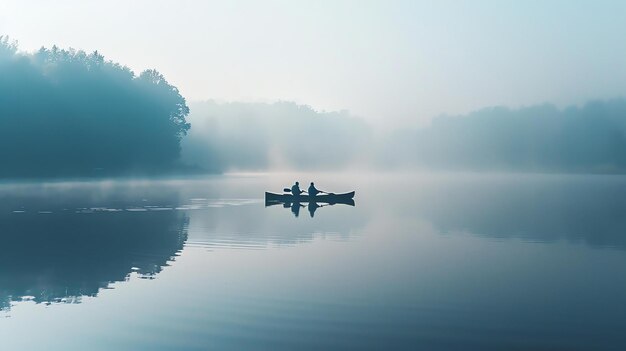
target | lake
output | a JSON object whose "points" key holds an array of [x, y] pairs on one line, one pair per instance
{"points": [[422, 261]]}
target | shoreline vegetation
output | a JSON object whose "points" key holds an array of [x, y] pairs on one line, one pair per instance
{"points": [[65, 113]]}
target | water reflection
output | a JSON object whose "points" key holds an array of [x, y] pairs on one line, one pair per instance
{"points": [[56, 250], [63, 241], [310, 206], [254, 226], [398, 271], [537, 208]]}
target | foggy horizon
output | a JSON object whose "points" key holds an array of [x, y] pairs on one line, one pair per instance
{"points": [[328, 175], [166, 135], [403, 61]]}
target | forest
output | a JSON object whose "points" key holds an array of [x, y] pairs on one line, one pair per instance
{"points": [[68, 113], [71, 113]]}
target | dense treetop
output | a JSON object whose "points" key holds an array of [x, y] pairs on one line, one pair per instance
{"points": [[70, 113]]}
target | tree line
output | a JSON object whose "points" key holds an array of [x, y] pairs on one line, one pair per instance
{"points": [[71, 113]]}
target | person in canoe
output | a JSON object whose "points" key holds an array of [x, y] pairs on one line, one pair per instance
{"points": [[295, 189], [312, 191]]}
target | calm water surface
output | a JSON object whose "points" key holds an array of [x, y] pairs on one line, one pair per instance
{"points": [[447, 262]]}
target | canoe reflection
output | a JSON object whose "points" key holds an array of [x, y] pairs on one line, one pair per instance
{"points": [[311, 206]]}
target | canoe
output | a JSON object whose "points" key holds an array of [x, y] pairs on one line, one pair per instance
{"points": [[345, 198]]}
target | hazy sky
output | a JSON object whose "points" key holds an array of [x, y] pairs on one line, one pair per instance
{"points": [[383, 60]]}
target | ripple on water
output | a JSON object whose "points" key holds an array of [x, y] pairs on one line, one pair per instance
{"points": [[195, 204]]}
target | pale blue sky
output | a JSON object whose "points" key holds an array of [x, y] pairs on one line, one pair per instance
{"points": [[383, 60]]}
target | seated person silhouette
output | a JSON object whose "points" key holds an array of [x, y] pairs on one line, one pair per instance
{"points": [[295, 189], [312, 190]]}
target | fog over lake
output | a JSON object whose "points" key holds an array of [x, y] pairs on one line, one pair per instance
{"points": [[479, 261], [258, 136], [323, 175]]}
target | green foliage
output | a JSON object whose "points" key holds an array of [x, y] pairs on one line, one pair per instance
{"points": [[66, 112]]}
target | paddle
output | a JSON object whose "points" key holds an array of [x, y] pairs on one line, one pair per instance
{"points": [[287, 190]]}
